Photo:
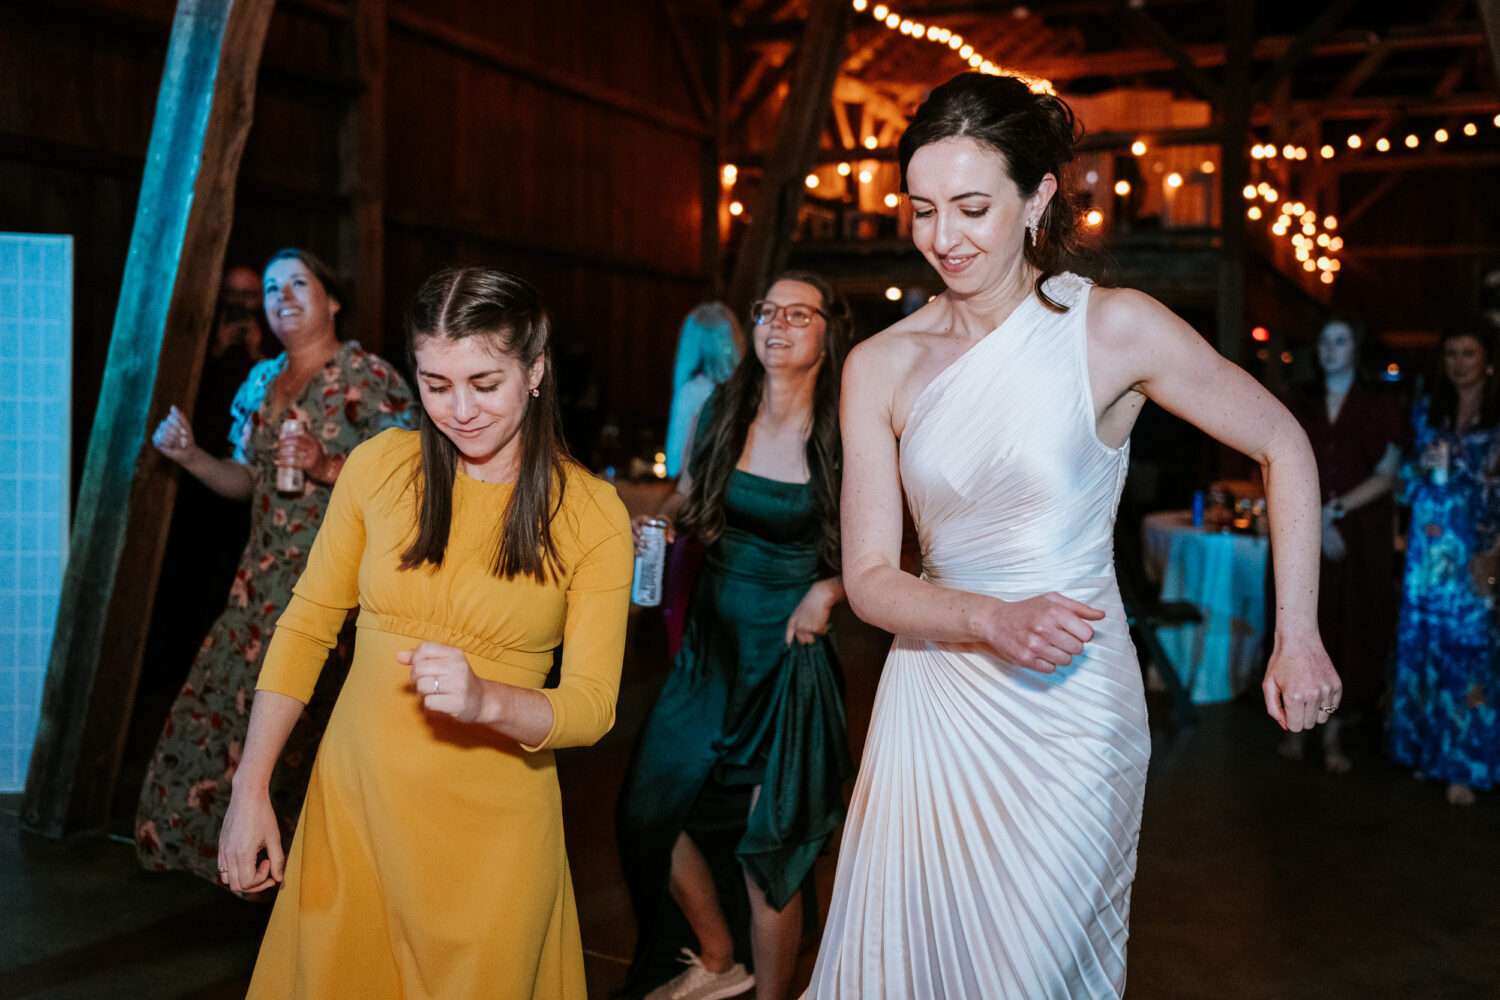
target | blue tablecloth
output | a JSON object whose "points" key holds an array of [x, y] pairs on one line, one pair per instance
{"points": [[1224, 576]]}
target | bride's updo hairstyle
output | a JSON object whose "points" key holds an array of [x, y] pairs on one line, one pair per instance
{"points": [[1034, 133]]}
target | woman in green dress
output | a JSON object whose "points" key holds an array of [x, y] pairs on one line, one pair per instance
{"points": [[736, 783]]}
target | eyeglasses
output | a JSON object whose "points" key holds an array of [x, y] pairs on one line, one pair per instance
{"points": [[764, 313]]}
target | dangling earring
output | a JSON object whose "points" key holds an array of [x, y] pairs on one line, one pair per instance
{"points": [[1031, 228], [535, 392]]}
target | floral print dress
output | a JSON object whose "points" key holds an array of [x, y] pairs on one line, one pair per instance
{"points": [[186, 790], [1446, 687]]}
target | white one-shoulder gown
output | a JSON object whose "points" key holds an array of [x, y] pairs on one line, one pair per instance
{"points": [[991, 840]]}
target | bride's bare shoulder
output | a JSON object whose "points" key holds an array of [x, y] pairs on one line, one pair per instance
{"points": [[896, 349]]}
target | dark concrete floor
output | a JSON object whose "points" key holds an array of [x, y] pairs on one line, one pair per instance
{"points": [[1259, 879]]}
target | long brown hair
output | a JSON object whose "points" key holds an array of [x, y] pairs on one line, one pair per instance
{"points": [[1442, 404], [506, 313], [735, 405], [1034, 133]]}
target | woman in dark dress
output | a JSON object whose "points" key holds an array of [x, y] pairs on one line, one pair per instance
{"points": [[1357, 434], [736, 782]]}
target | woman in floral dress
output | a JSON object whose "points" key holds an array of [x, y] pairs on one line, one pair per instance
{"points": [[1446, 689], [342, 395]]}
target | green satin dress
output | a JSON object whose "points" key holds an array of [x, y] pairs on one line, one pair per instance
{"points": [[739, 708]]}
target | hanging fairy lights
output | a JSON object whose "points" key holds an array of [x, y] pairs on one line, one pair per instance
{"points": [[938, 35]]}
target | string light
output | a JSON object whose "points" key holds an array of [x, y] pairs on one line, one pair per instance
{"points": [[1326, 152], [891, 201], [844, 169], [812, 180], [1174, 180], [736, 208], [1094, 217], [1207, 166], [1138, 148], [1471, 129], [1441, 135], [1383, 144], [865, 176], [938, 35], [871, 142], [1122, 187], [1354, 142], [729, 173], [1411, 142], [893, 294], [1253, 212]]}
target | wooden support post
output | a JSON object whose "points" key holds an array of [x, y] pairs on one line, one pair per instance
{"points": [[165, 311], [1233, 176], [362, 176], [773, 215]]}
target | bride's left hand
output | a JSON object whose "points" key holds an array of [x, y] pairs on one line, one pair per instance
{"points": [[1301, 684]]}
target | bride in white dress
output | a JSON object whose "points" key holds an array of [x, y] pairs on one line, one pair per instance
{"points": [[991, 840]]}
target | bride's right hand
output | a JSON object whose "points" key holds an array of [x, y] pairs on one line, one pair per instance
{"points": [[1040, 633]]}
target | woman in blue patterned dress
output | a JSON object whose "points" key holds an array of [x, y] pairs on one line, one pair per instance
{"points": [[1446, 689], [342, 395]]}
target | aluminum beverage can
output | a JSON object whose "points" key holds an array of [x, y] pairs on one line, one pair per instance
{"points": [[645, 589], [289, 478]]}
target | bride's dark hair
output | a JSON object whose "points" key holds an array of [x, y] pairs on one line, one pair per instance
{"points": [[1034, 133]]}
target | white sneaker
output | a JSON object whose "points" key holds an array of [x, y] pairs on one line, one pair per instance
{"points": [[697, 983]]}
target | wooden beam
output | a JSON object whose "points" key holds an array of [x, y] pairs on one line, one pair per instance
{"points": [[742, 108], [1181, 58], [1370, 200], [1400, 162], [1412, 251], [166, 306], [688, 59], [773, 214], [362, 175], [437, 32], [1356, 108], [1137, 61], [1302, 46]]}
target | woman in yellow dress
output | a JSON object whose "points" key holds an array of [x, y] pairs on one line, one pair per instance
{"points": [[429, 859]]}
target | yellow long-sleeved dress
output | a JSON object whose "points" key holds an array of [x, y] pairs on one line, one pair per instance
{"points": [[429, 858]]}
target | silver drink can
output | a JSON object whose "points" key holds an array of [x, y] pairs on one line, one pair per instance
{"points": [[645, 589], [289, 478]]}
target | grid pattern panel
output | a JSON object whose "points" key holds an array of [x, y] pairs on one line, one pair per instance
{"points": [[36, 336]]}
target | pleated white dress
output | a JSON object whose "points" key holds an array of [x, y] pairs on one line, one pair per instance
{"points": [[991, 840]]}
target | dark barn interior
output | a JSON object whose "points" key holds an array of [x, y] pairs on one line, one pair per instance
{"points": [[632, 160]]}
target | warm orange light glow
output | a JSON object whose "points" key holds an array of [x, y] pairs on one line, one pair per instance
{"points": [[871, 142], [880, 11], [864, 176], [891, 201], [1330, 222], [1441, 135], [735, 208], [1308, 265], [1393, 368], [1138, 148], [1094, 217], [893, 293], [1411, 142], [1383, 144], [811, 180], [893, 21], [1271, 194], [1323, 240], [845, 169], [1471, 129], [1207, 166], [1174, 180], [1326, 277], [1253, 212], [1326, 152], [729, 173], [860, 5], [1353, 141], [1289, 151], [1286, 357], [1260, 335], [1336, 244], [1122, 187]]}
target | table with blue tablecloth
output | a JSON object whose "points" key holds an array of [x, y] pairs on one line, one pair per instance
{"points": [[1223, 575]]}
